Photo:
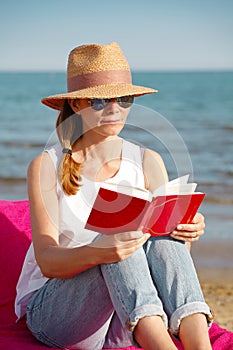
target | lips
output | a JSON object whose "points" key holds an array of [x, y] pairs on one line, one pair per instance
{"points": [[111, 121]]}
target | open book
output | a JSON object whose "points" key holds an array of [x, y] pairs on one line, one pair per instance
{"points": [[118, 208]]}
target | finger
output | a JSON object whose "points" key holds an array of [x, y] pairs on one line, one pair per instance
{"points": [[128, 236], [131, 247], [198, 218], [187, 236], [123, 251], [193, 239], [186, 239], [191, 227], [136, 242]]}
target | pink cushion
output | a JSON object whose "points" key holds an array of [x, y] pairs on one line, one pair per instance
{"points": [[15, 237]]}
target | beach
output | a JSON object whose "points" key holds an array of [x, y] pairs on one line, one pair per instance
{"points": [[218, 292], [216, 279]]}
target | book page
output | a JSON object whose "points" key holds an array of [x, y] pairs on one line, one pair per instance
{"points": [[180, 180], [176, 186], [129, 190]]}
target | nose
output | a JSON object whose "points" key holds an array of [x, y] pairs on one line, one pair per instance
{"points": [[113, 106]]}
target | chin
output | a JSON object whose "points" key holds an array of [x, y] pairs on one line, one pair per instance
{"points": [[110, 129]]}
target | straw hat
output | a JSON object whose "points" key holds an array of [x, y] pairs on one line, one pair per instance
{"points": [[97, 71]]}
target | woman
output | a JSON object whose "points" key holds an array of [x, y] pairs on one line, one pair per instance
{"points": [[84, 290]]}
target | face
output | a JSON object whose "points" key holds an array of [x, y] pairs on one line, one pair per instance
{"points": [[105, 117]]}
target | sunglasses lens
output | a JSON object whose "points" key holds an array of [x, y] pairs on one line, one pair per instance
{"points": [[125, 101], [100, 103]]}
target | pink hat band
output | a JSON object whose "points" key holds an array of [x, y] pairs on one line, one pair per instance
{"points": [[88, 80]]}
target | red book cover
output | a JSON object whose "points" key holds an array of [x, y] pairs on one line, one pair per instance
{"points": [[115, 212], [166, 212]]}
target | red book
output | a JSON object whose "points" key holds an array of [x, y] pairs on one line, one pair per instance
{"points": [[120, 208]]}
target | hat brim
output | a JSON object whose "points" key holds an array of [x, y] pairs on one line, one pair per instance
{"points": [[100, 91]]}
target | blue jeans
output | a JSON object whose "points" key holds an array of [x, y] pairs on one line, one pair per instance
{"points": [[101, 306]]}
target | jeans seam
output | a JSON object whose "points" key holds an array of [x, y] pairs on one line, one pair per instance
{"points": [[118, 291]]}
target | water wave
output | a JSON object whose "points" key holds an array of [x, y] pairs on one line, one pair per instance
{"points": [[12, 180], [21, 144], [219, 200], [215, 184], [228, 173], [228, 128]]}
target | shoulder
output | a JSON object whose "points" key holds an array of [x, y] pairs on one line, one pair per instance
{"points": [[41, 161], [41, 169], [50, 156], [152, 156], [154, 169]]}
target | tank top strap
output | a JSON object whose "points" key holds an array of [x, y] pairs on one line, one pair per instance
{"points": [[132, 151], [55, 153]]}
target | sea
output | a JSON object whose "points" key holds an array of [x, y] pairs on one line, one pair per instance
{"points": [[189, 122]]}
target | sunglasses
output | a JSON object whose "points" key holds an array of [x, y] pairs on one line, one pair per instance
{"points": [[100, 103]]}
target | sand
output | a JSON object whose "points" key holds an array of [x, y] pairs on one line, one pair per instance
{"points": [[214, 263]]}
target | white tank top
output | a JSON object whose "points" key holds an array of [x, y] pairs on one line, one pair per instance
{"points": [[73, 213]]}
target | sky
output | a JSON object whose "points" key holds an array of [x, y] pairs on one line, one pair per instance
{"points": [[153, 34]]}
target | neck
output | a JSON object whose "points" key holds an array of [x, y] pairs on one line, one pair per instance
{"points": [[100, 160], [102, 148]]}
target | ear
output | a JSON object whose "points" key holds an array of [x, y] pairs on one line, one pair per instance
{"points": [[74, 105]]}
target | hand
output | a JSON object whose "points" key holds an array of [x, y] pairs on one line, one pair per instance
{"points": [[190, 232], [117, 247]]}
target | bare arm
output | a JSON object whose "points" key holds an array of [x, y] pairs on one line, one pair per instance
{"points": [[54, 260], [154, 170]]}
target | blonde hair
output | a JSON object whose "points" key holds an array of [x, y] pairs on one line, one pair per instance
{"points": [[69, 129]]}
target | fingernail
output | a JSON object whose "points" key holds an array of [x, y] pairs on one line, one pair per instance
{"points": [[174, 232], [179, 227]]}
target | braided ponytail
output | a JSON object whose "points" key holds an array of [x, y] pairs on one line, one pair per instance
{"points": [[69, 129]]}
